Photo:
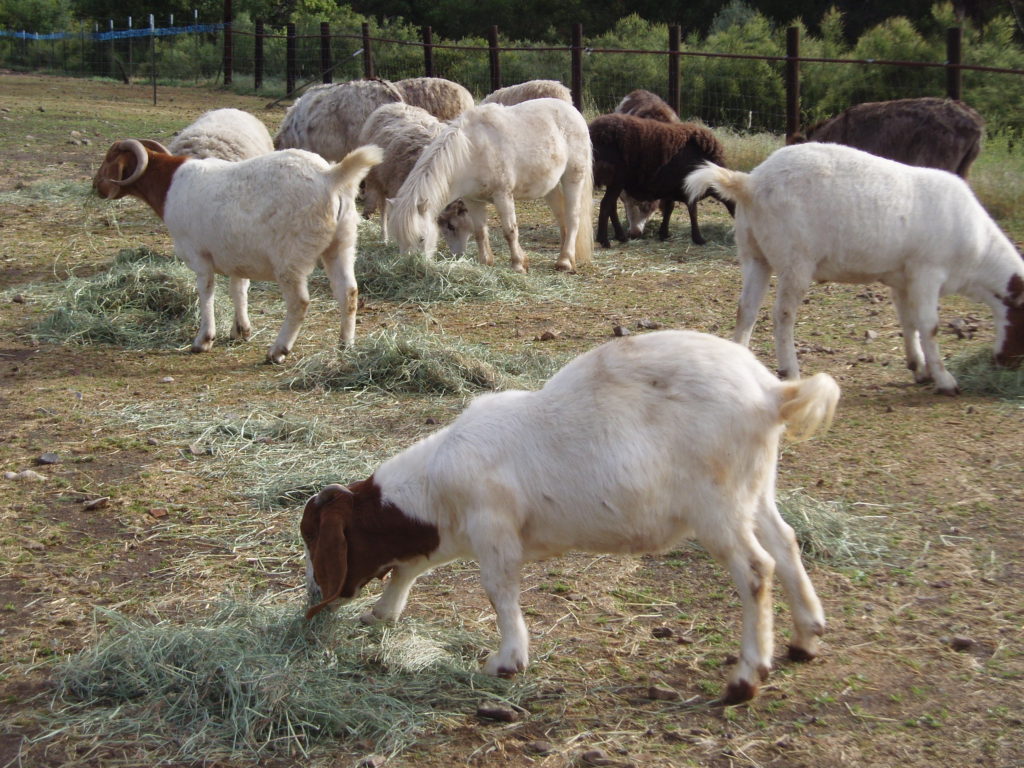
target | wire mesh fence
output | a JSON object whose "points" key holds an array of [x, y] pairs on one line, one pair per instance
{"points": [[745, 92]]}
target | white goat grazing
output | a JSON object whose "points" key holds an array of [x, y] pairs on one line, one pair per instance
{"points": [[229, 134], [327, 119], [630, 448], [444, 99], [827, 212], [268, 218], [531, 89]]}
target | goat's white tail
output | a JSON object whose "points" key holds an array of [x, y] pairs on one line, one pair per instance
{"points": [[808, 405], [730, 185], [353, 168]]}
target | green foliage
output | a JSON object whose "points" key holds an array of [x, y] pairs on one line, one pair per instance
{"points": [[35, 15]]}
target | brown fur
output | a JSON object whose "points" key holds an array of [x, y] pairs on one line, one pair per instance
{"points": [[929, 132], [353, 536], [641, 103], [1012, 353], [151, 187]]}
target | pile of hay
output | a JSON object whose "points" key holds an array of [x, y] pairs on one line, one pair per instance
{"points": [[413, 361], [144, 300], [256, 681], [977, 374], [830, 532]]}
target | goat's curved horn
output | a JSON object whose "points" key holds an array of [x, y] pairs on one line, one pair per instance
{"points": [[141, 157], [155, 145]]}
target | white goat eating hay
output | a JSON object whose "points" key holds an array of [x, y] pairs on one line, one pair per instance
{"points": [[540, 148], [268, 218], [630, 448], [827, 212]]}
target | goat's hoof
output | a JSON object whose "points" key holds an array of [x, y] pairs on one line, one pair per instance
{"points": [[950, 391], [276, 358], [738, 692], [794, 653], [369, 618], [241, 334], [496, 668], [605, 243], [199, 347]]}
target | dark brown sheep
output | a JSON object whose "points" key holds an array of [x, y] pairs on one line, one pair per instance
{"points": [[649, 160], [641, 103], [928, 132]]}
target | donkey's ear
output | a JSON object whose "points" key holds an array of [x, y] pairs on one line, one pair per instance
{"points": [[323, 530]]}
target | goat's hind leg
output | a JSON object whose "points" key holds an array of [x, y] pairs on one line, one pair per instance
{"points": [[756, 276], [296, 298], [777, 537], [339, 264]]}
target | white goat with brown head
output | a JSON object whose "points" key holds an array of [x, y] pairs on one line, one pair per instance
{"points": [[272, 217], [630, 448]]}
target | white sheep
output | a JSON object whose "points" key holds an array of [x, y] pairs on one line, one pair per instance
{"points": [[630, 448], [230, 134], [327, 119], [401, 131], [827, 212], [531, 89], [442, 98], [268, 218]]}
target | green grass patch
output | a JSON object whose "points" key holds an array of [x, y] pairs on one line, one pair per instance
{"points": [[409, 360], [253, 681]]}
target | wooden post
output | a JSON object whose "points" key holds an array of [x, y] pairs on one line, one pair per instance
{"points": [[325, 52], [289, 58], [229, 53], [792, 82], [368, 72], [495, 62], [674, 43], [954, 58], [152, 51], [428, 52], [258, 61], [576, 46]]}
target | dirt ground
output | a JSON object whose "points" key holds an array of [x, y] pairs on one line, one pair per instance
{"points": [[923, 660]]}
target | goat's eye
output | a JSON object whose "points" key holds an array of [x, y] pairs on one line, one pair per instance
{"points": [[450, 228]]}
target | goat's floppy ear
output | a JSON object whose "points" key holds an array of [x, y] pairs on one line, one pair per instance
{"points": [[323, 530]]}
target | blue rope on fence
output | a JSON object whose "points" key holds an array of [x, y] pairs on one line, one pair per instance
{"points": [[117, 34]]}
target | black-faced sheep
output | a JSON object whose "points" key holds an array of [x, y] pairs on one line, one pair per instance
{"points": [[327, 119], [641, 103], [650, 161], [442, 98], [825, 212], [531, 89], [271, 217], [630, 448], [928, 132], [230, 134]]}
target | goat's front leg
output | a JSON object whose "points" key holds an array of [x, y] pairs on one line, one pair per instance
{"points": [[296, 299], [608, 210], [238, 287], [205, 284], [499, 553], [667, 204], [396, 592], [506, 207], [923, 308]]}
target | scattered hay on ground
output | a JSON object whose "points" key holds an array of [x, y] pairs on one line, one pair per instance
{"points": [[977, 374], [145, 300], [254, 681], [830, 532], [382, 273], [412, 361]]}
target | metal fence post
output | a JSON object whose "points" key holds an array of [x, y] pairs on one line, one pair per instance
{"points": [[257, 63], [576, 84], [428, 52], [368, 72], [792, 82], [674, 41], [289, 59], [495, 62], [954, 58], [325, 52], [229, 53]]}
